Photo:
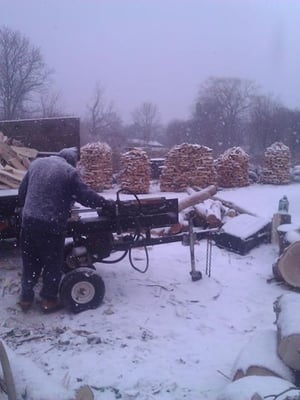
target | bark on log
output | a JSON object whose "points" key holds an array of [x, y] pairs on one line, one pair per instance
{"points": [[259, 357], [211, 214], [197, 197], [214, 214], [286, 308], [288, 265], [234, 206]]}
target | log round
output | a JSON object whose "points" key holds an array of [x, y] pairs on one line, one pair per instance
{"points": [[259, 357], [286, 308], [256, 388], [288, 265]]}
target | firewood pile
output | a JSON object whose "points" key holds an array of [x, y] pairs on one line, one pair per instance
{"points": [[277, 163], [14, 162], [96, 165], [135, 172], [232, 168], [187, 165]]}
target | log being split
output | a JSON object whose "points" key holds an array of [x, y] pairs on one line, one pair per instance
{"points": [[287, 308], [197, 197]]}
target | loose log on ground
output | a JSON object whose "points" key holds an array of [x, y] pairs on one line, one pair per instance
{"points": [[259, 357], [210, 214], [197, 197], [287, 308], [288, 265], [234, 206], [257, 388]]}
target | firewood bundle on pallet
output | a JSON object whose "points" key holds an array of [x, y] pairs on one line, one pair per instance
{"points": [[96, 165], [14, 162], [232, 168], [277, 163], [187, 165], [135, 171]]}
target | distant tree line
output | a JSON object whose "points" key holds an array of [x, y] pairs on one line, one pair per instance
{"points": [[232, 112], [227, 112]]}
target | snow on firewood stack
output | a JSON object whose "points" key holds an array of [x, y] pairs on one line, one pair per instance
{"points": [[96, 165], [277, 163], [232, 168], [135, 172], [187, 165]]}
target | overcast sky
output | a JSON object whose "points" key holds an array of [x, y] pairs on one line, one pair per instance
{"points": [[161, 50]]}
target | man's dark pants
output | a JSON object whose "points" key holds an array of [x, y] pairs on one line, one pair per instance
{"points": [[42, 255]]}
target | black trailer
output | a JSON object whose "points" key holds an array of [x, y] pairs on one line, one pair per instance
{"points": [[44, 134]]}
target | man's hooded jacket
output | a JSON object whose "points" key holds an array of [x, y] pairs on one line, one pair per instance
{"points": [[50, 187]]}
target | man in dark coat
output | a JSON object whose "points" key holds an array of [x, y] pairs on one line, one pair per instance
{"points": [[46, 194]]}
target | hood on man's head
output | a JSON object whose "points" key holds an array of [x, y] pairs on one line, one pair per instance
{"points": [[70, 154]]}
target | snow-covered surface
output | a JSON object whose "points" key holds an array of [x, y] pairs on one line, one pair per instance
{"points": [[289, 317], [243, 226], [293, 236], [157, 335]]}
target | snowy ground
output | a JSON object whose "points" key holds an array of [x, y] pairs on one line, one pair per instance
{"points": [[157, 335]]}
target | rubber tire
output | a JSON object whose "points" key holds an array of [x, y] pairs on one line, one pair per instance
{"points": [[7, 374], [72, 281]]}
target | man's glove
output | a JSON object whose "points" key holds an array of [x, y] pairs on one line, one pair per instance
{"points": [[109, 209]]}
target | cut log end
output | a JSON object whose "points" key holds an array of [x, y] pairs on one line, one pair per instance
{"points": [[288, 265], [289, 350]]}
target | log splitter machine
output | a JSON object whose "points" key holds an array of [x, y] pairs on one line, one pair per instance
{"points": [[93, 236]]}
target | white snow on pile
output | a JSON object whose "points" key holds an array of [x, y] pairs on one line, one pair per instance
{"points": [[243, 226]]}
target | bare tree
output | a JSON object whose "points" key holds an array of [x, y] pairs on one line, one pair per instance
{"points": [[22, 73], [263, 124], [50, 105], [102, 121], [222, 109], [146, 121], [177, 132]]}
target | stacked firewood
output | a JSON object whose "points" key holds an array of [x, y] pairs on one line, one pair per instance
{"points": [[135, 171], [96, 165], [232, 168], [187, 165], [277, 163], [14, 162]]}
